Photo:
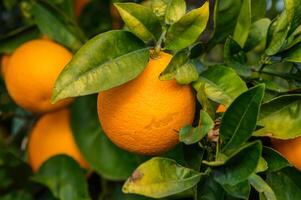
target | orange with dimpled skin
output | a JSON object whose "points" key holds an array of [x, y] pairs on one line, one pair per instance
{"points": [[144, 115]]}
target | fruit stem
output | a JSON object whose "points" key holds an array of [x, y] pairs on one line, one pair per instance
{"points": [[157, 48]]}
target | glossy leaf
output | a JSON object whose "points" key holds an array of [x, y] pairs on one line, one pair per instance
{"points": [[235, 58], [293, 9], [181, 68], [258, 33], [9, 42], [274, 160], [64, 177], [190, 135], [225, 18], [262, 165], [102, 155], [280, 117], [187, 30], [262, 187], [293, 54], [239, 121], [285, 183], [107, 60], [161, 177], [208, 189], [243, 25], [140, 20], [217, 85], [240, 190], [240, 166], [69, 33]]}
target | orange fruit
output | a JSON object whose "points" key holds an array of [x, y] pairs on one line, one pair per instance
{"points": [[290, 149], [31, 74], [4, 64], [79, 6], [50, 136], [144, 115]]}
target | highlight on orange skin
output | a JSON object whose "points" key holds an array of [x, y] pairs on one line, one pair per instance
{"points": [[50, 136], [290, 149], [79, 6], [4, 64], [221, 108]]}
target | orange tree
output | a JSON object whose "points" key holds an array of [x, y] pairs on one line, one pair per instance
{"points": [[187, 100]]}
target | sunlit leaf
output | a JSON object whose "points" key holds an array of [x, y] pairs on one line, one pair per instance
{"points": [[262, 187], [64, 177], [293, 10], [107, 60], [262, 165], [239, 121], [280, 117], [161, 177], [187, 30], [140, 20]]}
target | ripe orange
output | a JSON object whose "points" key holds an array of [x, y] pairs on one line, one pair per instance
{"points": [[4, 64], [50, 136], [32, 71], [79, 6], [290, 149], [144, 115]]}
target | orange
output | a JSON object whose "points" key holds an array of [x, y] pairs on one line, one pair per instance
{"points": [[4, 64], [144, 115], [50, 136], [290, 149], [221, 109], [32, 71], [79, 6]]}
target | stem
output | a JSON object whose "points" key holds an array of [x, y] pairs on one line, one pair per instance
{"points": [[157, 48]]}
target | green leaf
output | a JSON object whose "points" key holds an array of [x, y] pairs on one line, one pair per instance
{"points": [[293, 10], [239, 121], [293, 54], [217, 85], [190, 135], [208, 189], [225, 18], [262, 187], [49, 20], [258, 9], [11, 41], [243, 25], [174, 11], [235, 58], [240, 190], [97, 66], [17, 195], [280, 117], [274, 160], [239, 166], [277, 34], [187, 30], [161, 177], [102, 155], [258, 33], [64, 177], [181, 68], [140, 20], [193, 155], [285, 183], [262, 165]]}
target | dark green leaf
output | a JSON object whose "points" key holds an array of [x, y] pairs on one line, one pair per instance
{"points": [[285, 183], [235, 57], [17, 195], [102, 155], [258, 33], [240, 190], [293, 54], [243, 25], [161, 177], [56, 25], [64, 177], [239, 121], [12, 40], [208, 189], [280, 117], [239, 166], [187, 30], [193, 155], [190, 135], [107, 60], [225, 18], [262, 187], [217, 85], [275, 161], [140, 20]]}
